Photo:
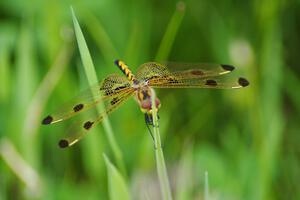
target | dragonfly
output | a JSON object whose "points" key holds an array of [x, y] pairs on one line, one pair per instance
{"points": [[115, 89]]}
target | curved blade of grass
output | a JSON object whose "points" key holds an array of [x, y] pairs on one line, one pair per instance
{"points": [[170, 34], [92, 79], [25, 83], [292, 81], [22, 169], [44, 89], [185, 174], [273, 119], [4, 73], [101, 37], [116, 183], [160, 161], [206, 186]]}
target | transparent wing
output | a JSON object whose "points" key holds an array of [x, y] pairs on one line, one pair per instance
{"points": [[190, 76], [151, 70], [198, 70], [211, 82], [154, 70], [112, 86], [81, 128]]}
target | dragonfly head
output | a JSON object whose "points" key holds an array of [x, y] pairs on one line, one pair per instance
{"points": [[140, 84]]}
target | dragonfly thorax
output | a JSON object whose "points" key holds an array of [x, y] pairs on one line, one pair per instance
{"points": [[143, 97]]}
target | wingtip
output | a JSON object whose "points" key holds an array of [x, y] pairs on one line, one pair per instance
{"points": [[243, 82], [47, 120], [227, 67], [63, 143]]}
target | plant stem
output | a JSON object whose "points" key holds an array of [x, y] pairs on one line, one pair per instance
{"points": [[206, 186], [92, 79], [160, 161], [170, 34]]}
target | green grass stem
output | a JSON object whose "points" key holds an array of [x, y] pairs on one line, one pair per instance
{"points": [[21, 168], [92, 79], [32, 122], [170, 34], [116, 185], [101, 37], [206, 186], [160, 161]]}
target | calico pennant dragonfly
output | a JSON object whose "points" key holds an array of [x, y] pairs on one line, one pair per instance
{"points": [[116, 89]]}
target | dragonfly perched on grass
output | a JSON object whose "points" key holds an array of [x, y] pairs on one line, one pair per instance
{"points": [[116, 89]]}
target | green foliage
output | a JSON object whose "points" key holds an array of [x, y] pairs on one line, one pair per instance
{"points": [[246, 140], [116, 184], [92, 79], [159, 155]]}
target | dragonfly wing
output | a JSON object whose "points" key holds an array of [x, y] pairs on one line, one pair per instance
{"points": [[151, 70], [154, 70], [198, 70], [81, 128], [112, 86], [196, 76], [210, 82]]}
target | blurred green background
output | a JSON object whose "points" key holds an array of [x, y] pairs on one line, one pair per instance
{"points": [[247, 140]]}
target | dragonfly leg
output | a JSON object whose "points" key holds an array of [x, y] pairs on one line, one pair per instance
{"points": [[149, 122]]}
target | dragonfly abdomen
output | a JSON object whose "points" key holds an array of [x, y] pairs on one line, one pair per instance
{"points": [[125, 69]]}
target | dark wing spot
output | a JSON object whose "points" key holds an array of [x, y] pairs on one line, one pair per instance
{"points": [[243, 82], [114, 100], [63, 143], [197, 72], [228, 67], [47, 120], [78, 107], [211, 82], [87, 125]]}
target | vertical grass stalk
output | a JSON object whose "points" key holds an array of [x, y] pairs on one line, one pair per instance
{"points": [[160, 161], [92, 79], [171, 32], [101, 37], [206, 186], [116, 185]]}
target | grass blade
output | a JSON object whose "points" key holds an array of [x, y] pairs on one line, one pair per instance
{"points": [[37, 103], [116, 183], [22, 169], [185, 174], [206, 186], [101, 37], [92, 79], [170, 34], [160, 161]]}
